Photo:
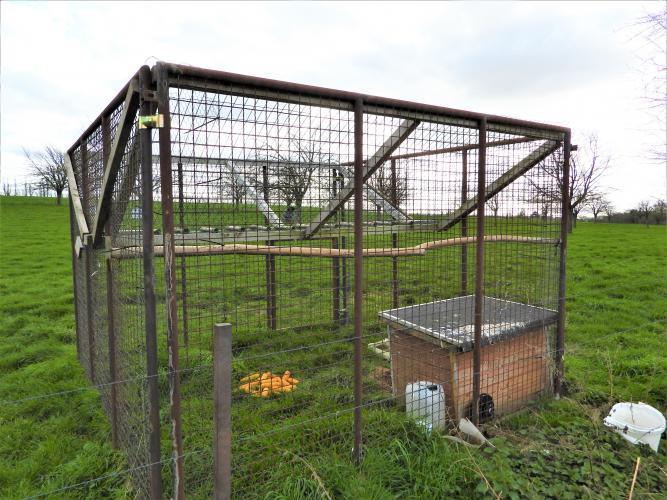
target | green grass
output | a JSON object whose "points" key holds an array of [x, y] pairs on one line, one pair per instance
{"points": [[617, 283]]}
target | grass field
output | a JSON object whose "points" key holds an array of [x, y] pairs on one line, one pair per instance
{"points": [[616, 333]]}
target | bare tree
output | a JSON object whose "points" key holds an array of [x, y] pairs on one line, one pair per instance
{"points": [[660, 212], [383, 183], [389, 185], [644, 210], [608, 210], [493, 204], [292, 171], [232, 186], [6, 189], [597, 205], [652, 28], [587, 166], [48, 166]]}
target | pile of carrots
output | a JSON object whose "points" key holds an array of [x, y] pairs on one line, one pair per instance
{"points": [[265, 384]]}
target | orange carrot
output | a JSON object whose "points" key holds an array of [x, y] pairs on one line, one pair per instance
{"points": [[250, 378]]}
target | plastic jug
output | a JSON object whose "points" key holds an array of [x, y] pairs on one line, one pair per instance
{"points": [[425, 401]]}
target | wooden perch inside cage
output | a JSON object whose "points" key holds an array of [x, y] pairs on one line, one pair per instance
{"points": [[299, 251]]}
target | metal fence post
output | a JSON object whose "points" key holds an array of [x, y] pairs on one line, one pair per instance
{"points": [[358, 270], [88, 246], [146, 145], [394, 237], [184, 275], [271, 308], [335, 282], [166, 191], [464, 223], [111, 303], [345, 284], [479, 272], [75, 285], [90, 319], [222, 400], [564, 223], [270, 260], [113, 347]]}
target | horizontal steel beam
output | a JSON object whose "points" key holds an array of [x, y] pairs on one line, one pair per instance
{"points": [[207, 76], [455, 149]]}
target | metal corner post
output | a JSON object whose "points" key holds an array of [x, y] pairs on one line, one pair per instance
{"points": [[358, 269], [222, 400], [479, 272], [564, 223], [166, 189], [149, 293]]}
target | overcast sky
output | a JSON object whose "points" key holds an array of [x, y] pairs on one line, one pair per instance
{"points": [[572, 63]]}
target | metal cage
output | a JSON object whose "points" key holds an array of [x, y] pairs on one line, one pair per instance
{"points": [[364, 245]]}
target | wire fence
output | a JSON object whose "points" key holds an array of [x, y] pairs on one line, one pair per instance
{"points": [[208, 367], [378, 261], [204, 453]]}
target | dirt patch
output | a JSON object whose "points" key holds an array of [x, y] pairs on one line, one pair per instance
{"points": [[382, 376]]}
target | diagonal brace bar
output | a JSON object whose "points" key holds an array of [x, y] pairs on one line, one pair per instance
{"points": [[523, 166], [374, 162], [76, 199], [130, 108], [128, 185]]}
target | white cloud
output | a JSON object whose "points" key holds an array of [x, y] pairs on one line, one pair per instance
{"points": [[565, 63]]}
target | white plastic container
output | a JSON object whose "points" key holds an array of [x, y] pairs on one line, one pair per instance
{"points": [[637, 422], [425, 401]]}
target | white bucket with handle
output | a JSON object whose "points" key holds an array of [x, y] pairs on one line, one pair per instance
{"points": [[637, 422]]}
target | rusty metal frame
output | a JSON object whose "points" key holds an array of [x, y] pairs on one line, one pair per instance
{"points": [[164, 139], [565, 214], [357, 189], [464, 223], [203, 79], [150, 313], [164, 76], [479, 271], [222, 407]]}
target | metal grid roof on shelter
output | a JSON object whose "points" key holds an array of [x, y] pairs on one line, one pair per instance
{"points": [[452, 320]]}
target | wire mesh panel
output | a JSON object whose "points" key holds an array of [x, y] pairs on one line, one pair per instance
{"points": [[457, 231], [249, 171], [109, 292]]}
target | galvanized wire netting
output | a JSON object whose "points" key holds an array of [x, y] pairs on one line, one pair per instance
{"points": [[257, 225]]}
